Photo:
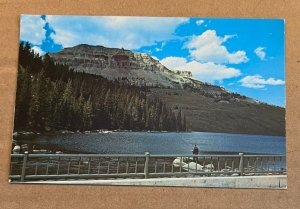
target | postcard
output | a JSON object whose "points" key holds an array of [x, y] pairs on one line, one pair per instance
{"points": [[150, 101]]}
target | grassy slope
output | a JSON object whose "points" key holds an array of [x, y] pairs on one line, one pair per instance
{"points": [[204, 114]]}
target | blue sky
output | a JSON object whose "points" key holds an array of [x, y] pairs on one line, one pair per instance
{"points": [[243, 55]]}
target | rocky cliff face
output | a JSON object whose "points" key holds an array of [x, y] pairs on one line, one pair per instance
{"points": [[120, 64]]}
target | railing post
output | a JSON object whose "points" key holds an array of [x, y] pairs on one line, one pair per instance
{"points": [[146, 168], [24, 166], [280, 166], [180, 165], [241, 166]]}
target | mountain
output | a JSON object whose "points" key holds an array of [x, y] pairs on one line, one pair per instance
{"points": [[206, 107], [132, 67]]}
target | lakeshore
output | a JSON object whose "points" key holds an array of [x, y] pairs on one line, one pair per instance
{"points": [[107, 142]]}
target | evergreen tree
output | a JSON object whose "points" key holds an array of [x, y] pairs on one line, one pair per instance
{"points": [[87, 114], [184, 128], [23, 97]]}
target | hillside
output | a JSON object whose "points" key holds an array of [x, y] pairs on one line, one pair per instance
{"points": [[206, 107], [205, 114]]}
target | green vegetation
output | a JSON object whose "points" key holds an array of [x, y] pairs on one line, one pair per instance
{"points": [[53, 97]]}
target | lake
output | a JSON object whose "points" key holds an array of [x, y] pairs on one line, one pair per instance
{"points": [[156, 143]]}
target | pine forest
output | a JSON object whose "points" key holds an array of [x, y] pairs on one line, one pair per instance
{"points": [[51, 97]]}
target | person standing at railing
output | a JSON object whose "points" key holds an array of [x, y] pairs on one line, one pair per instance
{"points": [[195, 152]]}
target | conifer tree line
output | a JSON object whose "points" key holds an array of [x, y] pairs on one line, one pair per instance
{"points": [[51, 96]]}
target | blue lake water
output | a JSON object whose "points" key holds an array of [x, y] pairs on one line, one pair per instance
{"points": [[157, 143]]}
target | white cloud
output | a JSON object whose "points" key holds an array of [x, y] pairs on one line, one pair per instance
{"points": [[32, 29], [208, 47], [207, 72], [173, 62], [257, 82], [126, 32], [210, 72], [38, 50], [260, 52], [199, 22]]}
